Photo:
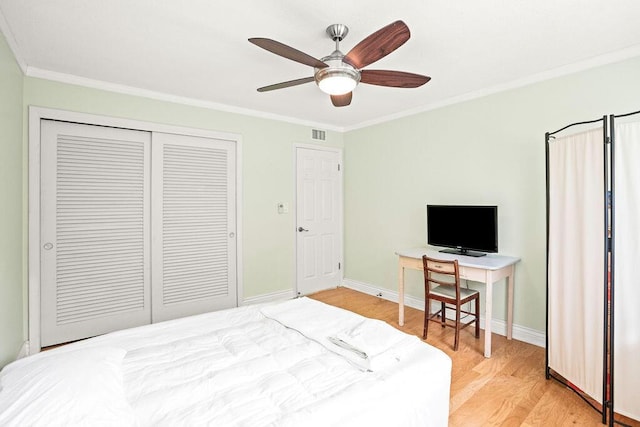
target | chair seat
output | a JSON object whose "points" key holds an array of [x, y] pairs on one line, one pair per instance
{"points": [[450, 292]]}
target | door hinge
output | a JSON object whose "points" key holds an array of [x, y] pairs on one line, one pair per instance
{"points": [[338, 167], [339, 266]]}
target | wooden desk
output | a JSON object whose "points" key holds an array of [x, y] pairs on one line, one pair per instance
{"points": [[487, 269]]}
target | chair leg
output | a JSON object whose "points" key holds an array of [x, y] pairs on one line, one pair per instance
{"points": [[455, 343], [427, 313], [478, 317], [443, 314]]}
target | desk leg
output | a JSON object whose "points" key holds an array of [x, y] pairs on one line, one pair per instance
{"points": [[487, 315], [400, 293], [510, 284]]}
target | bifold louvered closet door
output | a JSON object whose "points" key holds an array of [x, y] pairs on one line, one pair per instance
{"points": [[136, 227]]}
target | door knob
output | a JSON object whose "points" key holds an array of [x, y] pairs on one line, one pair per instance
{"points": [[300, 229]]}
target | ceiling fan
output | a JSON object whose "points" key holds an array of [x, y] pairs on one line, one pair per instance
{"points": [[338, 74]]}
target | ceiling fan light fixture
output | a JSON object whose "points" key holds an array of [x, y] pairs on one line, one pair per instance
{"points": [[339, 74], [337, 81]]}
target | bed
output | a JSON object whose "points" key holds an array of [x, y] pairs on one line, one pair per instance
{"points": [[293, 363]]}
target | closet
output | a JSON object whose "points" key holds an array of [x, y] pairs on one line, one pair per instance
{"points": [[136, 227], [593, 249]]}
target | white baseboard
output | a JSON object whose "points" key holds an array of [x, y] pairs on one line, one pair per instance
{"points": [[521, 333], [272, 297]]}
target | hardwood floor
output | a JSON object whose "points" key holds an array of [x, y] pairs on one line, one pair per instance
{"points": [[509, 389]]}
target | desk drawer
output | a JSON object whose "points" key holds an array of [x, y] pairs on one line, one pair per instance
{"points": [[475, 274]]}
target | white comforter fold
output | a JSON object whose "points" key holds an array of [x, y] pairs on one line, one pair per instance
{"points": [[370, 344]]}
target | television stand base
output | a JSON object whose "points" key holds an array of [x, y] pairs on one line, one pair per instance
{"points": [[463, 252]]}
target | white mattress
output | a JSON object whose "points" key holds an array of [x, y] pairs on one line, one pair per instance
{"points": [[270, 365]]}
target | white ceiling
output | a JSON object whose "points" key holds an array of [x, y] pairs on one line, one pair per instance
{"points": [[197, 51]]}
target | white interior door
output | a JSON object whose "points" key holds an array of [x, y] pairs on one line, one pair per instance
{"points": [[194, 225], [318, 220], [94, 239]]}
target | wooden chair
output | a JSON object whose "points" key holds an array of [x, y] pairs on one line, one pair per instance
{"points": [[442, 283]]}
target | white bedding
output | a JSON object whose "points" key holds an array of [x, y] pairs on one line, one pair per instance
{"points": [[270, 365]]}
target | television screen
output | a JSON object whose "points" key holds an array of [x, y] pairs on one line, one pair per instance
{"points": [[465, 229]]}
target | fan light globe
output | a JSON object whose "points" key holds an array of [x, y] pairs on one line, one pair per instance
{"points": [[337, 84], [337, 80]]}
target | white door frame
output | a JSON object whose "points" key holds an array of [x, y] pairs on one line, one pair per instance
{"points": [[36, 114], [295, 209]]}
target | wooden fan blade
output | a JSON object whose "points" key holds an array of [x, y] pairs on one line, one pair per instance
{"points": [[286, 84], [392, 78], [341, 100], [287, 52], [378, 45]]}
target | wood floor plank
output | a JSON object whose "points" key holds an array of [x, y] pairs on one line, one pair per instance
{"points": [[489, 407], [508, 389]]}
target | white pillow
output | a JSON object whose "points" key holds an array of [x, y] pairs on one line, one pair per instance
{"points": [[70, 388]]}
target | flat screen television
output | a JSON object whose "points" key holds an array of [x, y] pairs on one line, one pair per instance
{"points": [[466, 230]]}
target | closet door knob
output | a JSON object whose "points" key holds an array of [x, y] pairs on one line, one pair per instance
{"points": [[300, 229], [48, 246]]}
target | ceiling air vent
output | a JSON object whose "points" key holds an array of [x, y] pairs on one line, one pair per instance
{"points": [[320, 135]]}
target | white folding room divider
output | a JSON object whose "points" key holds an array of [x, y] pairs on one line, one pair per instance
{"points": [[593, 249]]}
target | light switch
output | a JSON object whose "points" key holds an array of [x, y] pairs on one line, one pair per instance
{"points": [[283, 208]]}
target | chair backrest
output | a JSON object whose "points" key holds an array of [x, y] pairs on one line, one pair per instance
{"points": [[441, 272]]}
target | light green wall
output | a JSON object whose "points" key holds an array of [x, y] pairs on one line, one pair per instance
{"points": [[485, 151], [11, 319]]}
